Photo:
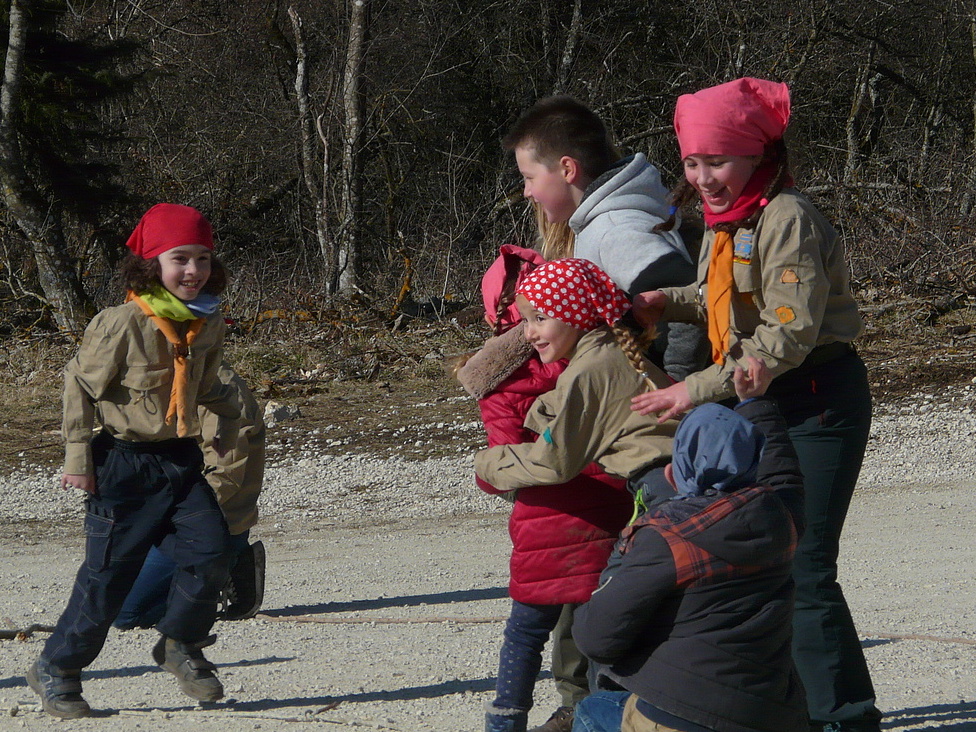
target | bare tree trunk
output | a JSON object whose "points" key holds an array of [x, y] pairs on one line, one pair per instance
{"points": [[967, 200], [569, 50], [352, 103], [858, 107], [818, 20], [317, 185], [57, 277]]}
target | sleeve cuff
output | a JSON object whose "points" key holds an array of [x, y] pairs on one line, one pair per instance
{"points": [[78, 459]]}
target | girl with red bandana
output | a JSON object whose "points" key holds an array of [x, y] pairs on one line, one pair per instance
{"points": [[773, 284], [570, 309], [142, 369]]}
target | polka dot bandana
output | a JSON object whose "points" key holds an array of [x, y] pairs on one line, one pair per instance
{"points": [[576, 292]]}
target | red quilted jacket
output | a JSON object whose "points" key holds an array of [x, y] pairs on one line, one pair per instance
{"points": [[561, 535]]}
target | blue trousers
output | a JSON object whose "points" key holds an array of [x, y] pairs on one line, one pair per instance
{"points": [[145, 604], [149, 494], [526, 633], [600, 712], [828, 412]]}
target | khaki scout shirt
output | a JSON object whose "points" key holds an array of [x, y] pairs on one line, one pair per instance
{"points": [[792, 294], [238, 474], [585, 418], [123, 375]]}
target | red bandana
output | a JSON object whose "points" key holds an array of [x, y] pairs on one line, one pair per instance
{"points": [[166, 226], [576, 292]]}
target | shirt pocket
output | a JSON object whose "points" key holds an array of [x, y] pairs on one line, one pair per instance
{"points": [[747, 278], [143, 381]]}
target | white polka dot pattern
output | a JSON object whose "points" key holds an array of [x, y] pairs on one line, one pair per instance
{"points": [[576, 292]]}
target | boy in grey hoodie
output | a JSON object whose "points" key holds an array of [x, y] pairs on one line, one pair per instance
{"points": [[572, 170]]}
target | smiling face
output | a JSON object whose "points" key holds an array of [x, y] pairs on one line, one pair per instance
{"points": [[551, 188], [184, 270], [720, 179], [551, 338]]}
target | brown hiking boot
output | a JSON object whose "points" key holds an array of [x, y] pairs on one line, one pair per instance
{"points": [[59, 689], [185, 661], [560, 721]]}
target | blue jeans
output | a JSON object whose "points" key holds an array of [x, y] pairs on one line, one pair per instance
{"points": [[526, 633], [145, 604], [148, 494], [601, 712]]}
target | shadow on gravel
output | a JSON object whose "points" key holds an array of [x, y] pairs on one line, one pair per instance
{"points": [[13, 682], [488, 593], [874, 642], [950, 717], [431, 691]]}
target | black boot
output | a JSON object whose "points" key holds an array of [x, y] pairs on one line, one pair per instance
{"points": [[59, 689], [244, 592], [187, 663]]}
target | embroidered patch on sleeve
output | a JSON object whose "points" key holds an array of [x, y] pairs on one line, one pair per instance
{"points": [[789, 277], [547, 436], [785, 314], [742, 252]]}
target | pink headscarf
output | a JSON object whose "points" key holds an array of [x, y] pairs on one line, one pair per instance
{"points": [[576, 292], [166, 226], [513, 264], [739, 117]]}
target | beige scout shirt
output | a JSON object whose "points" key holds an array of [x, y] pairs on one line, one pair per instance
{"points": [[123, 374], [792, 294], [585, 418], [238, 474]]}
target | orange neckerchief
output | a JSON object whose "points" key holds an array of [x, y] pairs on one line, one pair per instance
{"points": [[181, 349], [720, 295]]}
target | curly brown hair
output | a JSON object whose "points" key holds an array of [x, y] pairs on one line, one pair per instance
{"points": [[142, 275]]}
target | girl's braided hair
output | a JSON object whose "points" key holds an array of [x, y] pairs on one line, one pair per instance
{"points": [[633, 348], [683, 193]]}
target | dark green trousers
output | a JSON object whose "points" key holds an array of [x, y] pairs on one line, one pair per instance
{"points": [[828, 410], [569, 666]]}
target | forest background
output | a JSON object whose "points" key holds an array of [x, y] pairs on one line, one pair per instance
{"points": [[348, 151]]}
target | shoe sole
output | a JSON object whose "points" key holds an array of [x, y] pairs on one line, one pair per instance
{"points": [[191, 691], [186, 686], [38, 688]]}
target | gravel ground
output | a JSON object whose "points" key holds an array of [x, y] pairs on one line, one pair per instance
{"points": [[387, 588]]}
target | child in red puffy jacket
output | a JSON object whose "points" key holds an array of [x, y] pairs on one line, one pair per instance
{"points": [[561, 534]]}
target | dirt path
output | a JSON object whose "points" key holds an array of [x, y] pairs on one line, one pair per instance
{"points": [[387, 592], [397, 627]]}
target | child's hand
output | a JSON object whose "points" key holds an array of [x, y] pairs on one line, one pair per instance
{"points": [[670, 402], [84, 482], [648, 307], [754, 382]]}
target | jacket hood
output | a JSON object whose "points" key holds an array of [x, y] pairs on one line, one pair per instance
{"points": [[715, 448], [632, 184]]}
